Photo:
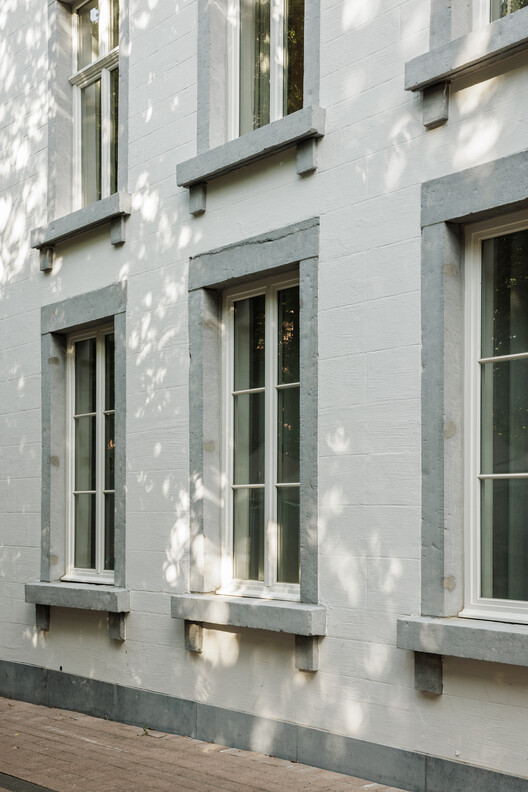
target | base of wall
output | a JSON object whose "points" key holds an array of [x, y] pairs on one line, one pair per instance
{"points": [[404, 769]]}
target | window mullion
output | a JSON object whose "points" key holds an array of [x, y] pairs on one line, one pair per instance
{"points": [[233, 70], [104, 27], [270, 509], [100, 453], [277, 56], [105, 132], [70, 455]]}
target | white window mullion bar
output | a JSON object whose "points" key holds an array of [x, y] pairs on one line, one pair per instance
{"points": [[233, 70], [104, 27], [106, 133], [228, 557], [77, 149], [100, 454], [270, 522], [70, 455], [276, 59]]}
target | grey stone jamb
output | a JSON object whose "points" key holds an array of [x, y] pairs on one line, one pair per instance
{"points": [[379, 763], [451, 58], [294, 247], [60, 135], [57, 321], [448, 203]]}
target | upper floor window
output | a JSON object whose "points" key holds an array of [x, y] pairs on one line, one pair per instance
{"points": [[266, 62], [95, 82], [501, 8]]}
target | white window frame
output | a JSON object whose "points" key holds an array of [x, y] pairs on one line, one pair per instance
{"points": [[100, 69], [477, 607], [270, 588], [99, 574], [277, 8]]}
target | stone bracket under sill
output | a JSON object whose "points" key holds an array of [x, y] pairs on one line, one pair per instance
{"points": [[431, 638], [301, 129], [305, 621], [83, 596], [432, 72], [114, 210]]}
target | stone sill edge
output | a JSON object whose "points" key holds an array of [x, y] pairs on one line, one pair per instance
{"points": [[82, 596], [506, 38], [293, 618], [261, 143], [471, 639], [99, 213]]}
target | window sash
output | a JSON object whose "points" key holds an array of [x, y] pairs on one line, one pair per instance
{"points": [[477, 606], [269, 587], [79, 574]]}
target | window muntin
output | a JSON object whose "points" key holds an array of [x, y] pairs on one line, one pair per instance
{"points": [[261, 357], [91, 454], [266, 62], [497, 432], [95, 84]]}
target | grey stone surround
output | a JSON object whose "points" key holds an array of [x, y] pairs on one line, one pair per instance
{"points": [[379, 763], [448, 204]]}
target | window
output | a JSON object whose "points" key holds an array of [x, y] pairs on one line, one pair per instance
{"points": [[263, 427], [91, 443], [266, 62], [501, 8], [95, 82], [497, 400]]}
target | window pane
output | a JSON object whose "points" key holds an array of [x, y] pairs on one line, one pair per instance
{"points": [[85, 453], [109, 531], [288, 335], [248, 534], [504, 539], [505, 295], [88, 21], [114, 23], [91, 142], [501, 8], [254, 64], [85, 376], [114, 132], [250, 327], [294, 56], [249, 438], [288, 520], [109, 372], [505, 417], [288, 435], [85, 531], [109, 452]]}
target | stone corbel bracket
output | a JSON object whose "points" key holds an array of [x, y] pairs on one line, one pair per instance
{"points": [[81, 596], [113, 210], [305, 621]]}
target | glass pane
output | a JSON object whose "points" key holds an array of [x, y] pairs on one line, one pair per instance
{"points": [[288, 435], [88, 21], [91, 142], [248, 534], [254, 64], [288, 520], [85, 376], [109, 372], [288, 335], [85, 531], [250, 327], [109, 531], [249, 438], [501, 8], [505, 539], [505, 295], [114, 23], [109, 452], [294, 56], [114, 132], [505, 417], [85, 453]]}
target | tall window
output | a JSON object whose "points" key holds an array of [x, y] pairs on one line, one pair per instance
{"points": [[91, 407], [262, 427], [501, 8], [95, 84], [498, 508], [266, 56]]}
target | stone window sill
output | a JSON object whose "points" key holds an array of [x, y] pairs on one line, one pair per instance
{"points": [[306, 621], [113, 210], [83, 596], [466, 55], [300, 129]]}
